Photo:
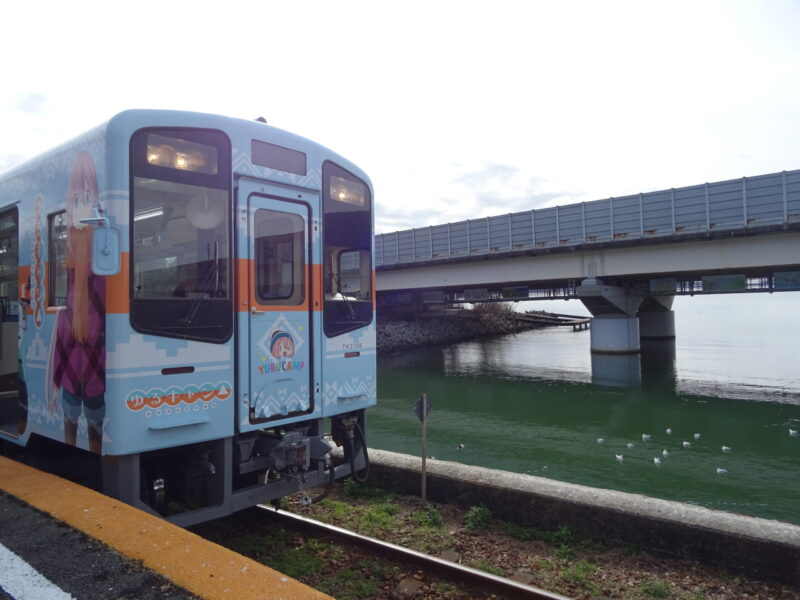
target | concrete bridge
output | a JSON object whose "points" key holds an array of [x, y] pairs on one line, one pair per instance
{"points": [[624, 258]]}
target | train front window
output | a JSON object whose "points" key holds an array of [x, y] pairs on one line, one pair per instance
{"points": [[347, 235], [180, 235]]}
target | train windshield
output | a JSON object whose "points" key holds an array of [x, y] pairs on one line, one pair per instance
{"points": [[180, 235], [347, 234]]}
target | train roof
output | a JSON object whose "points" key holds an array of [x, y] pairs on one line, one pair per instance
{"points": [[241, 132]]}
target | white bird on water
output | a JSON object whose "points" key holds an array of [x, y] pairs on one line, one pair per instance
{"points": [[686, 444], [631, 444], [665, 453], [620, 458], [669, 431], [722, 471], [645, 437], [600, 440], [726, 448], [460, 447], [793, 432], [697, 436], [657, 461]]}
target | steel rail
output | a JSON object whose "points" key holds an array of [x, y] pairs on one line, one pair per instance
{"points": [[504, 588]]}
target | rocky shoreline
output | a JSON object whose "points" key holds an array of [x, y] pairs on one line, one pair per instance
{"points": [[445, 328]]}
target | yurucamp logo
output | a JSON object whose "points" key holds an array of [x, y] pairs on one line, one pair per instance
{"points": [[278, 348], [282, 350]]}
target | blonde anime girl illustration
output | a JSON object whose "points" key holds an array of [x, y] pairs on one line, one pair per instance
{"points": [[79, 356]]}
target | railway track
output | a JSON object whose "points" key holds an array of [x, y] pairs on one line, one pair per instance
{"points": [[486, 582]]}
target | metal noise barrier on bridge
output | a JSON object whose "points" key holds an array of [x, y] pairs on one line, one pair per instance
{"points": [[734, 205]]}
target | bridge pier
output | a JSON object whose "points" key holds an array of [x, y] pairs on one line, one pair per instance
{"points": [[656, 318], [615, 326], [615, 334]]}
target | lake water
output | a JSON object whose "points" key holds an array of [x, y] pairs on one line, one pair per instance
{"points": [[531, 403]]}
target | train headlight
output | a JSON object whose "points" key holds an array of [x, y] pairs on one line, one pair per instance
{"points": [[348, 191], [175, 153]]}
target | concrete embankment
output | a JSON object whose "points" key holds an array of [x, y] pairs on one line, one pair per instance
{"points": [[445, 328], [756, 547]]}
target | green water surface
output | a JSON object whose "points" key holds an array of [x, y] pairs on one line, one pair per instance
{"points": [[547, 422]]}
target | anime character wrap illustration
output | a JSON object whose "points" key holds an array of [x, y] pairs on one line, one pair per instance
{"points": [[78, 367], [282, 345]]}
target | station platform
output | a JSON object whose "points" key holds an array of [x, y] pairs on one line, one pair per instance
{"points": [[61, 541]]}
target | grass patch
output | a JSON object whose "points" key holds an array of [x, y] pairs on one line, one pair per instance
{"points": [[478, 517], [426, 539], [486, 566], [378, 568], [518, 532], [260, 545], [364, 581], [379, 518], [655, 588], [445, 589], [373, 518], [353, 489], [386, 508], [339, 511], [579, 573], [428, 517], [296, 562], [565, 552], [326, 549], [348, 584], [564, 535], [563, 538], [545, 565]]}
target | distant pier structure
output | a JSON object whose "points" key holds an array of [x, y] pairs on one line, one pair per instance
{"points": [[552, 320]]}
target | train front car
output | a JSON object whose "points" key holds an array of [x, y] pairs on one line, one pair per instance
{"points": [[232, 345]]}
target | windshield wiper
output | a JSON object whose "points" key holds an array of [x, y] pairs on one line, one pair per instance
{"points": [[347, 303], [212, 275]]}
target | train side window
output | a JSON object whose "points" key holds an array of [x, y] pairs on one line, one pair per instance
{"points": [[57, 283], [279, 263], [9, 260]]}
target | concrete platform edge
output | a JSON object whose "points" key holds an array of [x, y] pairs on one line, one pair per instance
{"points": [[190, 562], [753, 546]]}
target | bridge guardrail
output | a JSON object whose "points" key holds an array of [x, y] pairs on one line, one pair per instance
{"points": [[736, 204]]}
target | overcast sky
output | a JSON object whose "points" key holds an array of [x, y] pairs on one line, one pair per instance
{"points": [[455, 109]]}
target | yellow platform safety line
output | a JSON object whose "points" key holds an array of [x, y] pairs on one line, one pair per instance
{"points": [[189, 561]]}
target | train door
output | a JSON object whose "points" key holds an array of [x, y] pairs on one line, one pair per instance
{"points": [[13, 399], [279, 283]]}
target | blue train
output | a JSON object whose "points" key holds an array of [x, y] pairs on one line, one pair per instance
{"points": [[191, 298]]}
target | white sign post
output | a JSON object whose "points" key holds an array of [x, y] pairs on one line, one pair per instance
{"points": [[421, 408]]}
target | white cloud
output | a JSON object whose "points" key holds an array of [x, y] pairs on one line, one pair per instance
{"points": [[31, 104], [580, 99]]}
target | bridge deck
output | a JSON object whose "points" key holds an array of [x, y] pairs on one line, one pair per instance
{"points": [[736, 205]]}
